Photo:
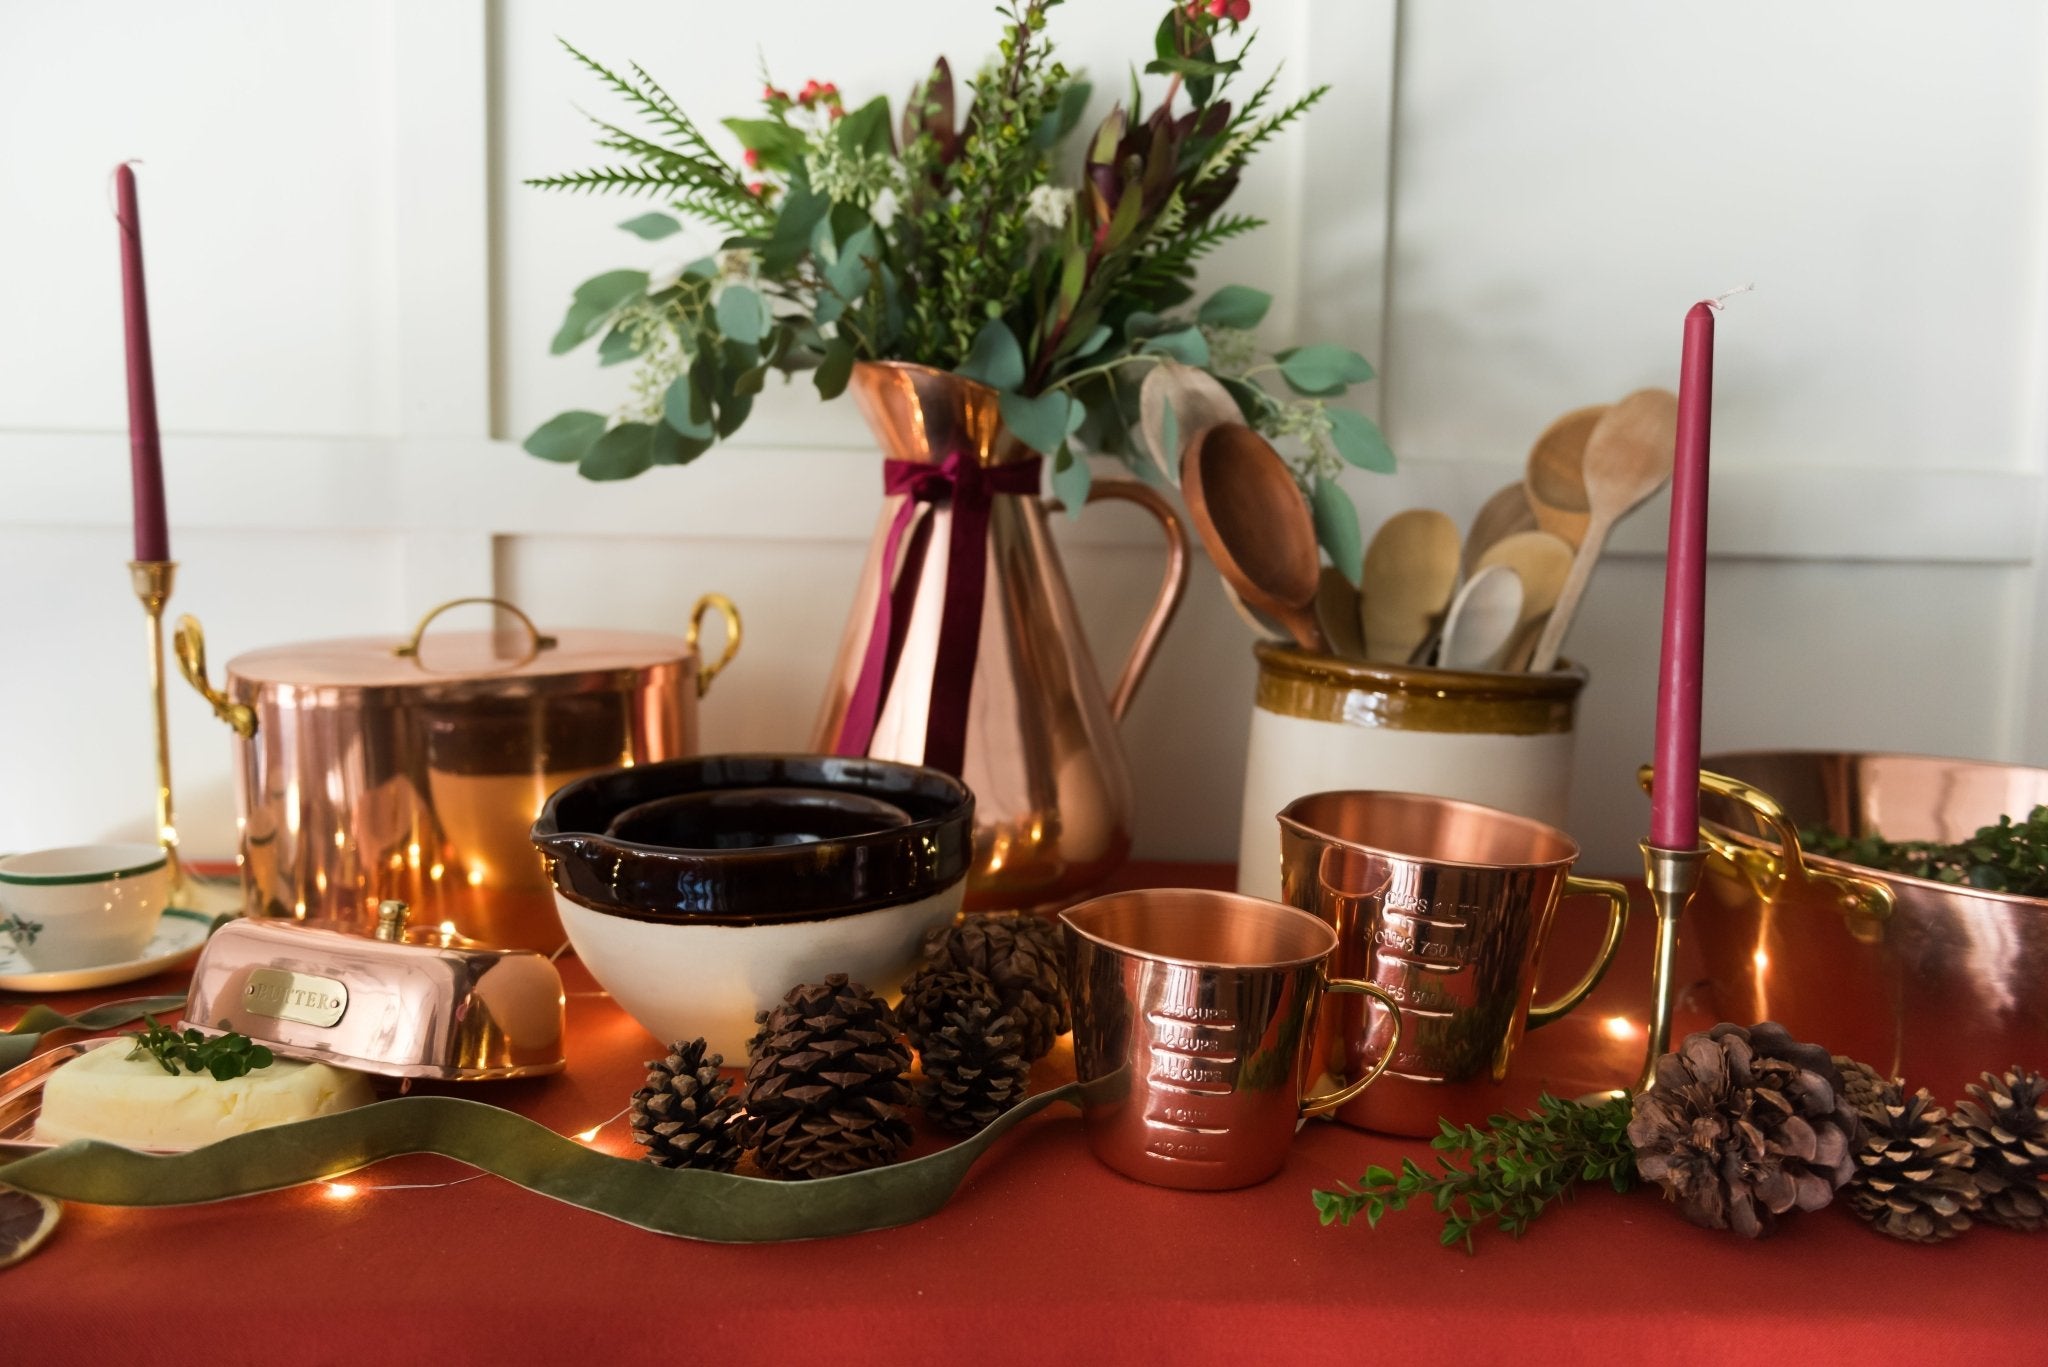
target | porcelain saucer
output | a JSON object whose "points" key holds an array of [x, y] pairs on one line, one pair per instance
{"points": [[178, 936]]}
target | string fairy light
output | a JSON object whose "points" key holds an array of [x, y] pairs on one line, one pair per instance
{"points": [[348, 1191]]}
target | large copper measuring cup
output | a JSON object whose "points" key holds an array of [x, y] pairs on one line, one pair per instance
{"points": [[1193, 1011], [1446, 906]]}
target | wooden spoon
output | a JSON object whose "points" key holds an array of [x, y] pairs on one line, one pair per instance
{"points": [[1506, 513], [1263, 627], [1543, 561], [1628, 458], [1482, 619], [1554, 480], [1337, 609], [1196, 401], [1256, 525], [1410, 573]]}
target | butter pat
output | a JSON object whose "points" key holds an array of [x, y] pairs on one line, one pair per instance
{"points": [[107, 1095]]}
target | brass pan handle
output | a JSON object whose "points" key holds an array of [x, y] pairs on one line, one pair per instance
{"points": [[537, 641], [188, 643], [1866, 903], [722, 605]]}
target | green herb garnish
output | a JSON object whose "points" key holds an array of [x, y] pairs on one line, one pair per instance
{"points": [[1514, 1170], [224, 1056], [2003, 857]]}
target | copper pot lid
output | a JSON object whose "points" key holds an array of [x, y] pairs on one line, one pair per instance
{"points": [[520, 655]]}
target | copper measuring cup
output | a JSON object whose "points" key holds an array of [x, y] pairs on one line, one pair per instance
{"points": [[1446, 905], [1193, 1011]]}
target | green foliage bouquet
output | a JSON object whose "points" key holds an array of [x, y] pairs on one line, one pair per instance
{"points": [[946, 239]]}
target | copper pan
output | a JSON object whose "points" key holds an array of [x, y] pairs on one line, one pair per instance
{"points": [[1928, 981]]}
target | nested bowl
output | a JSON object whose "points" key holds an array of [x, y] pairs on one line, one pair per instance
{"points": [[698, 928], [1929, 981]]}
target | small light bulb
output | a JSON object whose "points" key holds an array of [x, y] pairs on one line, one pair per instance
{"points": [[341, 1191], [588, 1134], [1620, 1027]]}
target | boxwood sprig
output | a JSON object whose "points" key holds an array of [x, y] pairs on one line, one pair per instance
{"points": [[222, 1056]]}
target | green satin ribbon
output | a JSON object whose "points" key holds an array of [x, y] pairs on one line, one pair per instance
{"points": [[20, 1040], [711, 1206]]}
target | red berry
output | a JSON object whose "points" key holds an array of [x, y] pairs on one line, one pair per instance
{"points": [[753, 157], [1240, 10], [757, 187], [1218, 8]]}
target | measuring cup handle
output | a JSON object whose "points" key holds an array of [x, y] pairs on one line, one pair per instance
{"points": [[1617, 921], [1330, 1101]]}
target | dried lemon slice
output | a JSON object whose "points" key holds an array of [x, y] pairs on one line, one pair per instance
{"points": [[25, 1221]]}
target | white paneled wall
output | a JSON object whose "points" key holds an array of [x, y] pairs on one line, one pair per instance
{"points": [[1507, 206]]}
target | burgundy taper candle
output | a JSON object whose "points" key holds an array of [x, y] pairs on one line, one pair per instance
{"points": [[145, 451], [1675, 793]]}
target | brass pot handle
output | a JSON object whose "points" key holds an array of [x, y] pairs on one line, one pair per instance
{"points": [[723, 606], [1866, 903], [1171, 589], [1330, 1101], [188, 643], [537, 641], [1617, 921]]}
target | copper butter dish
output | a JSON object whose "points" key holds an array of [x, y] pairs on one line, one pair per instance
{"points": [[405, 1003], [1930, 981], [411, 768]]}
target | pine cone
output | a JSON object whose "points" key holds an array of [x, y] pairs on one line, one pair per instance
{"points": [[685, 1116], [971, 1052], [1865, 1087], [1023, 956], [2006, 1125], [927, 994], [1743, 1125], [825, 1085], [1913, 1178]]}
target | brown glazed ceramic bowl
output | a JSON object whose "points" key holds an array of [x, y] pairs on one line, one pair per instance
{"points": [[1923, 980], [858, 859]]}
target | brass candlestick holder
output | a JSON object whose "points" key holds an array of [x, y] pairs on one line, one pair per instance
{"points": [[152, 580], [1673, 876]]}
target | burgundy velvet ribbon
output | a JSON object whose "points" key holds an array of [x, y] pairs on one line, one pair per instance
{"points": [[961, 480]]}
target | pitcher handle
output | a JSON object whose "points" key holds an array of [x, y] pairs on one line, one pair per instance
{"points": [[1617, 921], [1330, 1101], [1171, 589]]}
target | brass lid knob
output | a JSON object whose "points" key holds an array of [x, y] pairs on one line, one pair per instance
{"points": [[391, 917]]}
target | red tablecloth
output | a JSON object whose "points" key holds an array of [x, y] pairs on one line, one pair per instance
{"points": [[1043, 1255]]}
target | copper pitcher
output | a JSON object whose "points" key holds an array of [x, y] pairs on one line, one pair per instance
{"points": [[1038, 735]]}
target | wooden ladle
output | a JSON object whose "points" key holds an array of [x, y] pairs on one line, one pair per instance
{"points": [[1627, 459], [1410, 573], [1502, 515], [1555, 478], [1257, 527]]}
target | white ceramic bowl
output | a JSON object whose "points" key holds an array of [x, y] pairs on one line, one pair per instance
{"points": [[83, 906], [789, 868], [681, 981]]}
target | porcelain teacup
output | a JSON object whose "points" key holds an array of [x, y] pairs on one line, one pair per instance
{"points": [[84, 905]]}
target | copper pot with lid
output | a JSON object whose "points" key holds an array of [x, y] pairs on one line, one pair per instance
{"points": [[370, 769]]}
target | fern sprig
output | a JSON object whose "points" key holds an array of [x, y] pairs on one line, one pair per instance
{"points": [[1513, 1170]]}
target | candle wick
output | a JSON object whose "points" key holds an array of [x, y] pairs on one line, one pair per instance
{"points": [[1715, 302], [113, 200]]}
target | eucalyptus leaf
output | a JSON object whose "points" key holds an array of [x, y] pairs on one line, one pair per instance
{"points": [[1093, 343], [652, 227], [679, 409], [773, 139], [1040, 421], [1071, 480], [732, 411], [565, 437], [1322, 370], [618, 346], [621, 453], [835, 369], [1186, 345], [995, 358], [742, 314], [595, 300], [802, 210], [867, 129], [1336, 520], [1358, 439], [1234, 306], [670, 447]]}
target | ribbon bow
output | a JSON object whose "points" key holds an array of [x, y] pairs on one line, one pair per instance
{"points": [[961, 480]]}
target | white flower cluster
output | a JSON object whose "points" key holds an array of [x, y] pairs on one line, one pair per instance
{"points": [[1049, 206]]}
